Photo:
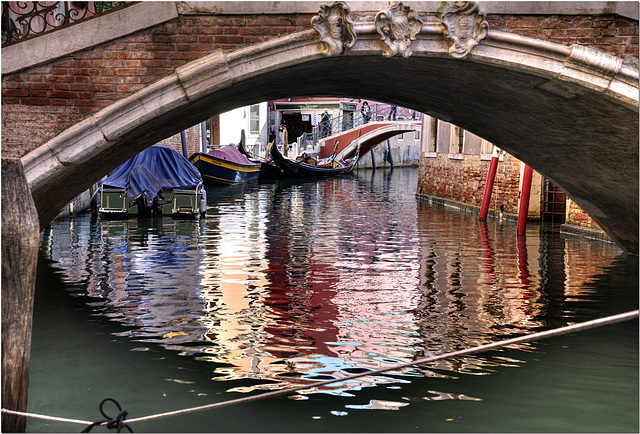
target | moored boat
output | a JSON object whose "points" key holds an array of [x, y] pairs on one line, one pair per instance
{"points": [[159, 180], [305, 166], [226, 165], [268, 168]]}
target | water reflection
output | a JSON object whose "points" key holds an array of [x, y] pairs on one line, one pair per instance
{"points": [[292, 282]]}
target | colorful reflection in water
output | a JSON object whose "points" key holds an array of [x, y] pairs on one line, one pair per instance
{"points": [[286, 283]]}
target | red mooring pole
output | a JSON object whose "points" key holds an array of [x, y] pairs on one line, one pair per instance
{"points": [[488, 188], [524, 200]]}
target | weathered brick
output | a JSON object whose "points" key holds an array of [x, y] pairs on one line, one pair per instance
{"points": [[224, 39], [83, 71], [83, 103], [254, 31], [35, 101], [91, 54], [522, 23], [275, 22], [131, 71], [156, 63], [183, 39], [14, 93], [84, 87], [129, 88], [61, 94], [201, 47], [205, 39]]}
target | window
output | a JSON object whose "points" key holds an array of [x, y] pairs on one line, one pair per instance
{"points": [[433, 140], [457, 140], [487, 147], [486, 150], [460, 140], [254, 119]]}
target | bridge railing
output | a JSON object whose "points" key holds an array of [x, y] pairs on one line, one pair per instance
{"points": [[377, 113], [308, 142], [22, 20]]}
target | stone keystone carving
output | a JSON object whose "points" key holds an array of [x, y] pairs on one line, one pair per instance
{"points": [[398, 27], [465, 24], [334, 24]]}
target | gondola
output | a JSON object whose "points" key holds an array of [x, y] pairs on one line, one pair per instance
{"points": [[268, 168], [307, 167]]}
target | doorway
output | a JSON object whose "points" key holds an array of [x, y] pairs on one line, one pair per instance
{"points": [[296, 126], [554, 203]]}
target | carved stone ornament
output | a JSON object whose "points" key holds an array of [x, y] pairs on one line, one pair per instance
{"points": [[335, 27], [465, 25], [398, 27]]}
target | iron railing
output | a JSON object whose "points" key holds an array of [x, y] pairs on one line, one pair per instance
{"points": [[378, 112], [22, 20]]}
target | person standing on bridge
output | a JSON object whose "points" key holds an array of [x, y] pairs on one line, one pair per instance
{"points": [[393, 112], [366, 112], [325, 126]]}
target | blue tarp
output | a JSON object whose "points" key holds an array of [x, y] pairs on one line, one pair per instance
{"points": [[158, 167]]}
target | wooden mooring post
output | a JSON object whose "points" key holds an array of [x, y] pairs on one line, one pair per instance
{"points": [[20, 239]]}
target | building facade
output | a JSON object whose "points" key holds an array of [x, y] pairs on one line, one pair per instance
{"points": [[454, 165]]}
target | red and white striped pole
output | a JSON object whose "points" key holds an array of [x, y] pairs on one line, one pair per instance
{"points": [[488, 188], [524, 200]]}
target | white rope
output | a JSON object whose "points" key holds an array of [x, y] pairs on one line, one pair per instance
{"points": [[479, 349], [42, 416]]}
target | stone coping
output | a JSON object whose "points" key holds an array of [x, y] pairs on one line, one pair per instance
{"points": [[465, 207], [586, 232], [628, 9], [565, 228]]}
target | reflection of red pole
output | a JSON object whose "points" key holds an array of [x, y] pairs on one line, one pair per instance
{"points": [[488, 189], [524, 200], [489, 260]]}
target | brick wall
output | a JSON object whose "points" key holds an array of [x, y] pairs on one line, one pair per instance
{"points": [[576, 216], [192, 139], [609, 33], [464, 180], [62, 93]]}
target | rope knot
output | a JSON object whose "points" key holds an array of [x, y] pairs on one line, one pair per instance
{"points": [[116, 423]]}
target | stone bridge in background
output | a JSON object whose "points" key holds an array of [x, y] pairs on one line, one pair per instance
{"points": [[553, 83]]}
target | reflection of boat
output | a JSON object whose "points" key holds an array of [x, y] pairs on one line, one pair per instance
{"points": [[226, 165], [305, 166], [268, 168], [156, 181]]}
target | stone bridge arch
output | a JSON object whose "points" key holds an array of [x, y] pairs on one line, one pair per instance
{"points": [[569, 112]]}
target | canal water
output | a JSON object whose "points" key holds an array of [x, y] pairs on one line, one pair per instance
{"points": [[287, 283]]}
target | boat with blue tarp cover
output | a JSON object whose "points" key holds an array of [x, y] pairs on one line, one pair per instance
{"points": [[159, 180], [225, 165]]}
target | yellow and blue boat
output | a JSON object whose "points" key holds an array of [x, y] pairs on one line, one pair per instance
{"points": [[225, 165]]}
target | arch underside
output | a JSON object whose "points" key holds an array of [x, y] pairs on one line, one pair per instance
{"points": [[582, 139]]}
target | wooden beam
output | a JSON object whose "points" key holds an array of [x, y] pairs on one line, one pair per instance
{"points": [[20, 241]]}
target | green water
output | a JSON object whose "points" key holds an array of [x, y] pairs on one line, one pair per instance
{"points": [[286, 283]]}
